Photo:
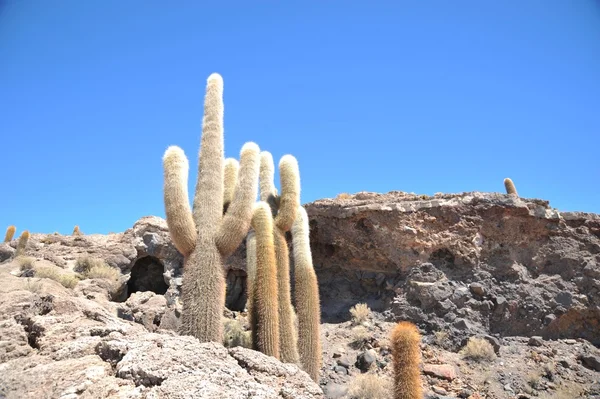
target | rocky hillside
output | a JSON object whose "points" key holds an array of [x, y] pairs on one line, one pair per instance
{"points": [[515, 272]]}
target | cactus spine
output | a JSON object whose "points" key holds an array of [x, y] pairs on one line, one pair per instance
{"points": [[204, 235], [10, 232], [406, 356], [307, 298], [22, 243], [264, 317], [510, 187], [284, 209]]}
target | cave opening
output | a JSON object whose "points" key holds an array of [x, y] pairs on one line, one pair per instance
{"points": [[147, 275]]}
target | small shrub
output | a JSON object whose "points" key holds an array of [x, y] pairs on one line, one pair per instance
{"points": [[234, 334], [25, 262], [478, 349], [67, 280], [370, 386], [360, 338], [360, 313], [86, 263], [343, 196], [103, 271]]}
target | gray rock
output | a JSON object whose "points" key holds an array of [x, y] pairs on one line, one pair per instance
{"points": [[591, 362], [564, 298], [477, 289], [535, 341], [335, 391], [340, 370], [365, 359]]}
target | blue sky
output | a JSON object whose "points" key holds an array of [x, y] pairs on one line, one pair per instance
{"points": [[416, 96]]}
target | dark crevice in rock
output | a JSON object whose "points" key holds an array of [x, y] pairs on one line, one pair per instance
{"points": [[147, 275], [236, 290], [34, 331]]}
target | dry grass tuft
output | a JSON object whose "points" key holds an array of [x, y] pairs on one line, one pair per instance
{"points": [[67, 280], [343, 196], [478, 349], [25, 262], [370, 386], [360, 313], [360, 337], [103, 271], [86, 263]]}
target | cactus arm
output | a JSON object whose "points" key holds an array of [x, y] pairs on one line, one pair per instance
{"points": [[265, 328], [177, 206], [307, 298], [236, 221], [208, 198], [230, 175], [289, 176], [267, 176]]}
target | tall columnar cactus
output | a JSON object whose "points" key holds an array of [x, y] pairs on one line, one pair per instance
{"points": [[406, 356], [22, 243], [510, 187], [307, 298], [205, 235], [284, 208], [250, 270], [10, 232], [264, 317]]}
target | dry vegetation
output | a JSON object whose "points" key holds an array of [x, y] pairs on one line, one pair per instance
{"points": [[478, 349], [25, 262], [360, 313], [67, 280], [235, 335], [370, 386]]}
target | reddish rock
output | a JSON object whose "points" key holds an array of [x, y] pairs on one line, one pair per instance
{"points": [[443, 371]]}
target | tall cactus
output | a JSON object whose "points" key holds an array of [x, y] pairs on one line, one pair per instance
{"points": [[283, 208], [510, 187], [205, 235], [406, 356], [76, 231], [10, 232], [307, 298], [264, 317], [22, 243], [250, 270]]}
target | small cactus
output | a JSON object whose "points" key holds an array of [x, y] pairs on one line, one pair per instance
{"points": [[406, 356], [307, 298], [10, 232], [510, 187], [76, 231], [22, 243], [265, 315]]}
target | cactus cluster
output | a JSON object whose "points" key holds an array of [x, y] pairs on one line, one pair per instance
{"points": [[223, 212], [300, 345]]}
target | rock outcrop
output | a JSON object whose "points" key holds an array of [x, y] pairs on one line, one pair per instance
{"points": [[54, 344], [480, 262]]}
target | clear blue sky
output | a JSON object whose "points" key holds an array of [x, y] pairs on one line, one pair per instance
{"points": [[419, 96]]}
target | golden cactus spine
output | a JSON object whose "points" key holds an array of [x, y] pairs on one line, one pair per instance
{"points": [[10, 232], [265, 315], [510, 187], [204, 235], [406, 356], [22, 243], [307, 298], [284, 209]]}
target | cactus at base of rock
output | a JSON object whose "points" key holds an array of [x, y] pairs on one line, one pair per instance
{"points": [[307, 298], [76, 231], [204, 235], [283, 209], [22, 243], [10, 232], [265, 315], [406, 356], [510, 187]]}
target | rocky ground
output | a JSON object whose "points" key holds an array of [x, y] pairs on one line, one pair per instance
{"points": [[514, 272]]}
